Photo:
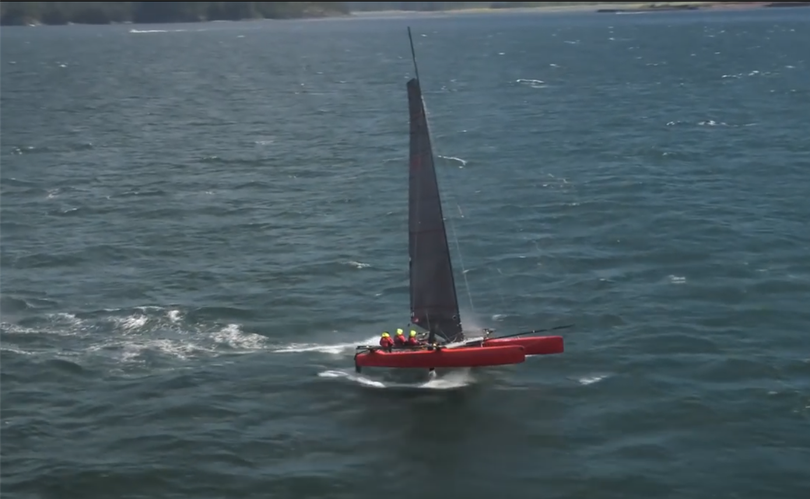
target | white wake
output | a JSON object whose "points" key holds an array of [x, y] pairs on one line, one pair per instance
{"points": [[448, 381]]}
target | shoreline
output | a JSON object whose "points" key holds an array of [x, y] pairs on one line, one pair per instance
{"points": [[33, 14], [601, 8], [606, 8]]}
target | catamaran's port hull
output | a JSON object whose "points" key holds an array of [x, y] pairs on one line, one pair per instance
{"points": [[532, 345], [443, 358]]}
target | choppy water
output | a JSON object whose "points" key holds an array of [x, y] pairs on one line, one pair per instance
{"points": [[200, 221]]}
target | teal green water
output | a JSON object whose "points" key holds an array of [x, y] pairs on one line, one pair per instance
{"points": [[199, 222]]}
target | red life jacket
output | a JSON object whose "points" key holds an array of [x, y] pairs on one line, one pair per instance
{"points": [[412, 341], [400, 340], [386, 342]]}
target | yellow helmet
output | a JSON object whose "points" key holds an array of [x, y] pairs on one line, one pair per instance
{"points": [[399, 332], [413, 333], [385, 334]]}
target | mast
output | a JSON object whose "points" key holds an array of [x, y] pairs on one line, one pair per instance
{"points": [[434, 303]]}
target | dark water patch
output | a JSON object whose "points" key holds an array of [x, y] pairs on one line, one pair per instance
{"points": [[71, 259], [736, 370], [64, 366], [15, 304], [65, 480], [45, 260], [12, 227], [219, 313], [792, 287], [674, 344]]}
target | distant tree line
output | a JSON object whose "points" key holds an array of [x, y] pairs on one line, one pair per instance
{"points": [[24, 13], [438, 6], [415, 6], [513, 5]]}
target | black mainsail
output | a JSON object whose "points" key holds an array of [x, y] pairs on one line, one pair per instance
{"points": [[434, 304]]}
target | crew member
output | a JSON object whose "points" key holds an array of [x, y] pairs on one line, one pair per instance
{"points": [[413, 341], [399, 339], [385, 341]]}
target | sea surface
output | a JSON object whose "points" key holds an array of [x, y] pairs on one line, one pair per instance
{"points": [[200, 222]]}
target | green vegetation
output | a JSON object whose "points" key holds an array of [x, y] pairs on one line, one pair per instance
{"points": [[24, 13], [439, 6], [415, 6], [442, 6], [513, 5]]}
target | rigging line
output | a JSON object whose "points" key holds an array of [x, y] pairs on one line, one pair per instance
{"points": [[450, 220], [453, 198], [461, 259]]}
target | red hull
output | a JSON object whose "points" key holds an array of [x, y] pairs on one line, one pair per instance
{"points": [[533, 345], [445, 357]]}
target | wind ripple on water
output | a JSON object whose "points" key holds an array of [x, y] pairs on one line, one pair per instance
{"points": [[196, 236]]}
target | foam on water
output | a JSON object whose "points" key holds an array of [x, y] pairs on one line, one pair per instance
{"points": [[146, 31], [335, 349], [531, 82], [6, 348], [452, 379], [595, 378], [448, 381], [469, 323], [359, 265], [128, 336], [461, 162]]}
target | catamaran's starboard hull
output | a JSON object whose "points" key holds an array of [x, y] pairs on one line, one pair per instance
{"points": [[442, 358], [533, 345]]}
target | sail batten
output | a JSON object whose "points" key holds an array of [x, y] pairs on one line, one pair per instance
{"points": [[434, 303]]}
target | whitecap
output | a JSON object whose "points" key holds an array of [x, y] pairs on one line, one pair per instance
{"points": [[7, 348], [463, 162], [531, 82], [589, 380], [359, 265], [131, 323], [233, 336]]}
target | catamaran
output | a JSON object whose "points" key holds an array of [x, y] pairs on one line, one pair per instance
{"points": [[434, 302]]}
